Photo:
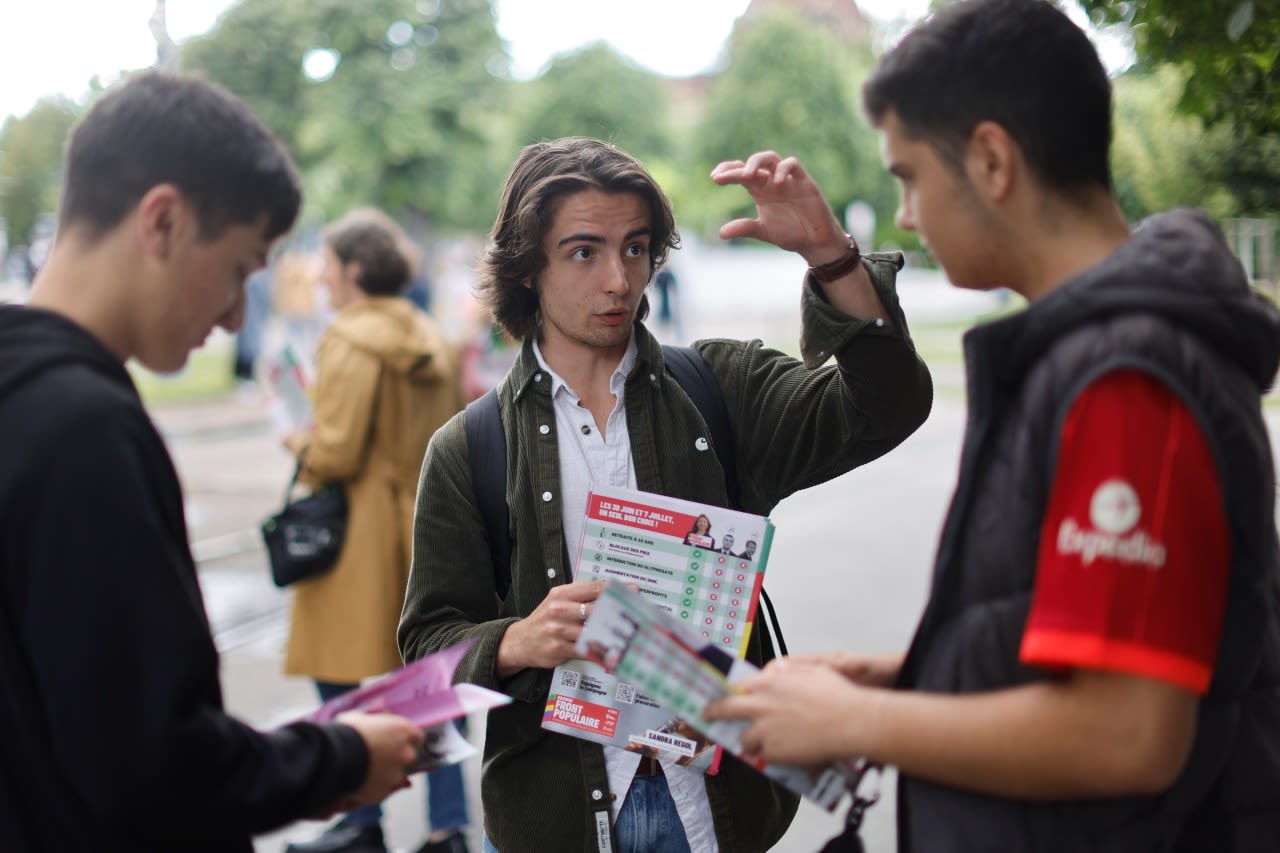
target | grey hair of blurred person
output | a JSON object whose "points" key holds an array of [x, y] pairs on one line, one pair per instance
{"points": [[372, 239]]}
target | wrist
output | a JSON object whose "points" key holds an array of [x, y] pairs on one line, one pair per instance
{"points": [[837, 267], [506, 661]]}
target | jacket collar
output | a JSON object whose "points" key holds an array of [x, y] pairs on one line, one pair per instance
{"points": [[528, 373]]}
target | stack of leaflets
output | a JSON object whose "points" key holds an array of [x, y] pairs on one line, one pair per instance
{"points": [[704, 566], [682, 670], [424, 693]]}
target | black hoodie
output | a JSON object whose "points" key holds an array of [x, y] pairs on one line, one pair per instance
{"points": [[112, 731]]}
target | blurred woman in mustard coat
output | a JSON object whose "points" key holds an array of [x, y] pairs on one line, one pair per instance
{"points": [[386, 380]]}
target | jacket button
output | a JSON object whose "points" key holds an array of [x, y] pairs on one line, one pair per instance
{"points": [[597, 794], [546, 497], [551, 573], [879, 321], [537, 377], [544, 429]]}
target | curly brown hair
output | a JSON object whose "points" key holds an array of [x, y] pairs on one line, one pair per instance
{"points": [[543, 174]]}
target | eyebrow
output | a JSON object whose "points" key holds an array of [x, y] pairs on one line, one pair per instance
{"points": [[596, 238]]}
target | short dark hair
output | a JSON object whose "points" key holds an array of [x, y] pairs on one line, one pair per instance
{"points": [[543, 174], [160, 128], [373, 240], [1019, 63]]}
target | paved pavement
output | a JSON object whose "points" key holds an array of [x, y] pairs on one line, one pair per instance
{"points": [[849, 566]]}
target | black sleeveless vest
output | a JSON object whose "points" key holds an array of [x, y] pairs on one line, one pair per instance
{"points": [[1024, 372]]}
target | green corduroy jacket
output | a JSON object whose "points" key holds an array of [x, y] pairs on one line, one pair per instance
{"points": [[795, 423]]}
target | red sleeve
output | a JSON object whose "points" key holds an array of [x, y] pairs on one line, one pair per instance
{"points": [[1134, 550]]}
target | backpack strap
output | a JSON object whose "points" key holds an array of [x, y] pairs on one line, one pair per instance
{"points": [[688, 368], [487, 453], [691, 372]]}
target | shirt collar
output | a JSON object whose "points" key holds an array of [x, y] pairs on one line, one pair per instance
{"points": [[617, 381]]}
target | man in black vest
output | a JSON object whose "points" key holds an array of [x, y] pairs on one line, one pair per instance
{"points": [[1098, 667]]}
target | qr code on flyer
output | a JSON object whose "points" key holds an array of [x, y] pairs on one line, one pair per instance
{"points": [[570, 679], [626, 694]]}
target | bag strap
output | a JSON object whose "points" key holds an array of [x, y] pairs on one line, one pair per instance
{"points": [[487, 455], [293, 481], [691, 371]]}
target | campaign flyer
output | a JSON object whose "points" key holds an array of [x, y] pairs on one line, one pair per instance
{"points": [[703, 565], [424, 693], [683, 671]]}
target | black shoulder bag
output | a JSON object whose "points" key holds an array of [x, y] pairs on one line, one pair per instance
{"points": [[305, 537]]}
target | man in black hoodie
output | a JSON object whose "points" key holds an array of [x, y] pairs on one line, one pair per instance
{"points": [[112, 731], [1098, 666]]}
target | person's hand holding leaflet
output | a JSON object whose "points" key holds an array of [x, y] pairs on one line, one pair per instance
{"points": [[545, 638]]}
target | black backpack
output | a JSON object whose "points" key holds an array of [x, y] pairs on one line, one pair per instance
{"points": [[487, 453]]}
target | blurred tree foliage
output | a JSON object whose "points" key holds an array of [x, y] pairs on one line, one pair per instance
{"points": [[386, 102], [791, 88], [31, 149], [596, 92], [1229, 48], [1197, 118], [1162, 157]]}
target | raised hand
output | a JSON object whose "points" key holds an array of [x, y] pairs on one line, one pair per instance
{"points": [[791, 211]]}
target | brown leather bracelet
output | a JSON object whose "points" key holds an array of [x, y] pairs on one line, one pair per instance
{"points": [[840, 267]]}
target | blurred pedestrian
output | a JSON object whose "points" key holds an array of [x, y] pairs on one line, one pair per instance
{"points": [[669, 317], [112, 727], [257, 310], [1098, 667], [301, 303], [385, 381]]}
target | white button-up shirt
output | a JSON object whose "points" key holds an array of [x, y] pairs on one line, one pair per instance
{"points": [[587, 457]]}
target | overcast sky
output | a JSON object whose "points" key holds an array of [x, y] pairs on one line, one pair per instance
{"points": [[56, 46]]}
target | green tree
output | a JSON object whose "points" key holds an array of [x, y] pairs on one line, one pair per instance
{"points": [[788, 87], [31, 164], [386, 102], [595, 92], [1154, 147], [1230, 49]]}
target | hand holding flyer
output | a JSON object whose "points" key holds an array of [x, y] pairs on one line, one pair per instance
{"points": [[666, 548], [423, 692], [643, 645]]}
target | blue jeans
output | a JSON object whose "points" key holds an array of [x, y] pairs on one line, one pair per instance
{"points": [[647, 822], [446, 793]]}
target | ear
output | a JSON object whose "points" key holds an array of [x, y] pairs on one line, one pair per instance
{"points": [[351, 272], [162, 214], [992, 161], [528, 283]]}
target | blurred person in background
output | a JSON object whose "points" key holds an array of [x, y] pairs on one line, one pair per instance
{"points": [[385, 381], [112, 728]]}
